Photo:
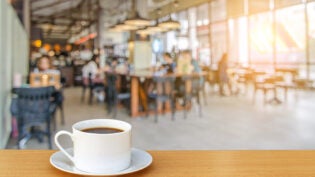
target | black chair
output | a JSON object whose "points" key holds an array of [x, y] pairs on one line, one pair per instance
{"points": [[163, 92], [114, 96], [33, 108], [58, 99], [190, 88], [93, 87]]}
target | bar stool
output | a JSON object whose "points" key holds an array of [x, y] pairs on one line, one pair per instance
{"points": [[163, 93]]}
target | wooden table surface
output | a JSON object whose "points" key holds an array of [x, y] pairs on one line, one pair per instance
{"points": [[35, 163]]}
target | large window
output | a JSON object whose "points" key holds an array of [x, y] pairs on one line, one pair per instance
{"points": [[218, 41], [311, 37], [262, 34], [183, 42], [290, 35], [192, 31], [218, 10], [238, 40], [203, 51], [218, 29], [261, 39]]}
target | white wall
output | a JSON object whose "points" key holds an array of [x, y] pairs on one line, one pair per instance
{"points": [[13, 59]]}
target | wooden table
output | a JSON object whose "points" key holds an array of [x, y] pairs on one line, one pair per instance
{"points": [[35, 163], [138, 92]]}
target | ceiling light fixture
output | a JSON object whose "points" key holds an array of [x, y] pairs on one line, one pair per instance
{"points": [[125, 27], [170, 23], [137, 20]]}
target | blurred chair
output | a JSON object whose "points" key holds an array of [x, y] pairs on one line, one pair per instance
{"points": [[93, 88], [51, 79], [242, 77], [265, 83], [33, 108], [114, 96], [162, 93], [190, 89]]}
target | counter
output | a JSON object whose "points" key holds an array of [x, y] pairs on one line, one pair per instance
{"points": [[30, 163]]}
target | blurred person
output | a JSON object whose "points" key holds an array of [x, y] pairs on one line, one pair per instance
{"points": [[223, 74], [168, 64], [93, 77], [86, 54], [44, 66], [92, 68]]}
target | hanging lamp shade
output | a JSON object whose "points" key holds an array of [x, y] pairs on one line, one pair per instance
{"points": [[156, 28], [114, 29], [125, 27], [170, 24], [144, 31], [138, 21]]}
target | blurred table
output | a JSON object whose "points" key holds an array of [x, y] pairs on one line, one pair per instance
{"points": [[138, 94], [30, 163], [44, 80]]}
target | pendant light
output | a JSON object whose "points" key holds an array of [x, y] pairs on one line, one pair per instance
{"points": [[170, 23], [114, 29], [137, 20], [156, 28], [144, 32], [125, 27]]}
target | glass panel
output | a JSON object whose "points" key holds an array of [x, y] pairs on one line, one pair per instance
{"points": [[255, 6], [192, 16], [238, 40], [183, 42], [311, 35], [193, 41], [218, 41], [283, 3], [235, 8], [261, 38], [218, 10], [290, 35], [312, 72], [170, 41], [302, 71], [183, 19], [202, 15], [203, 34]]}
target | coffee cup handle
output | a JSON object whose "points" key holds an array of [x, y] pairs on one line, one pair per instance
{"points": [[62, 132]]}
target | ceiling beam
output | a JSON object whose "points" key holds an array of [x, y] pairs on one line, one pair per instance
{"points": [[69, 26], [86, 27], [49, 5]]}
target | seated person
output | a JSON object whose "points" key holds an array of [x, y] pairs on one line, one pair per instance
{"points": [[184, 63], [92, 68], [168, 64], [111, 65], [44, 66]]}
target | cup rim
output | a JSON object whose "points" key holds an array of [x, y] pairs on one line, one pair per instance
{"points": [[74, 127]]}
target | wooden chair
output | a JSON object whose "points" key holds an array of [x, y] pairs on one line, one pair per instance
{"points": [[264, 83]]}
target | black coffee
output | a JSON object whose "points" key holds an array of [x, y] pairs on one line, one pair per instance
{"points": [[102, 130]]}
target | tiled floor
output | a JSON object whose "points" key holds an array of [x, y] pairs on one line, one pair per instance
{"points": [[231, 122]]}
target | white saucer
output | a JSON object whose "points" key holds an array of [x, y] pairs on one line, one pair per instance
{"points": [[139, 160]]}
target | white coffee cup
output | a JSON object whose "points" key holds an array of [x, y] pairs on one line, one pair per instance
{"points": [[99, 153]]}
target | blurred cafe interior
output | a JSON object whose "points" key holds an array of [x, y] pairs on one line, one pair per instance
{"points": [[187, 75]]}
